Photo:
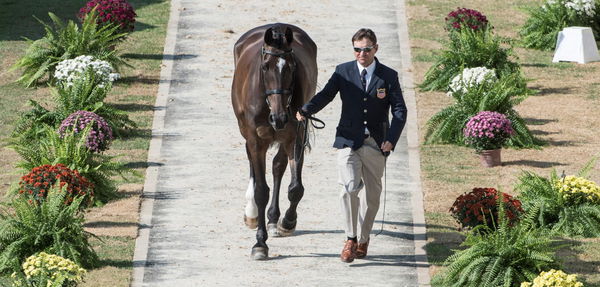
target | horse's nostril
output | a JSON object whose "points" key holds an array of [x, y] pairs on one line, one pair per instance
{"points": [[271, 119]]}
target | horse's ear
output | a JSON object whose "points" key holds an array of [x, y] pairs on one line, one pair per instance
{"points": [[269, 37], [289, 35]]}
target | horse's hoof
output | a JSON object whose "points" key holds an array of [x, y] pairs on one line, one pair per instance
{"points": [[252, 223], [260, 253], [284, 231], [273, 230]]}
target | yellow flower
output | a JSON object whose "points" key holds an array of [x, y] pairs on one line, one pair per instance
{"points": [[554, 278], [52, 266]]}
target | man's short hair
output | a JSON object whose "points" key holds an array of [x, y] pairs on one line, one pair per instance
{"points": [[364, 33]]}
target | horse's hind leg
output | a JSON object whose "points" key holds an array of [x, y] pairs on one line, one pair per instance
{"points": [[279, 166], [287, 224], [251, 210]]}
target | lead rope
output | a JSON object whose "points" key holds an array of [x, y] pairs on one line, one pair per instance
{"points": [[384, 194], [304, 124]]}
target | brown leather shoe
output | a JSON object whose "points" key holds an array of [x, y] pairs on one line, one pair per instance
{"points": [[349, 251], [361, 250]]}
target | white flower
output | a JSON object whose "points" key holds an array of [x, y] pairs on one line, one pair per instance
{"points": [[70, 70], [471, 77], [581, 7]]}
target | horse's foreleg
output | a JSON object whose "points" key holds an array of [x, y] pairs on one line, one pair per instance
{"points": [[279, 166], [251, 210], [287, 224], [257, 151]]}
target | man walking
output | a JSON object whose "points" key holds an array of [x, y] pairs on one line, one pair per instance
{"points": [[364, 136]]}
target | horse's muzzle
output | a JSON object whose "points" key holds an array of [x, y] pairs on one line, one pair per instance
{"points": [[278, 121]]}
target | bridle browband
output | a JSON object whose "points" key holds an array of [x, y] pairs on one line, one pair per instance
{"points": [[278, 91]]}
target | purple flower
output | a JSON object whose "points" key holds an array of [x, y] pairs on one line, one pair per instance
{"points": [[487, 130], [111, 11], [463, 17], [100, 134]]}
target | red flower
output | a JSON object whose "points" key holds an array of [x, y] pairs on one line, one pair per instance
{"points": [[473, 19], [35, 186], [118, 12], [480, 207]]}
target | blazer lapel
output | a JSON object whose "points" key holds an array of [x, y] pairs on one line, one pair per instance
{"points": [[355, 76], [375, 80]]}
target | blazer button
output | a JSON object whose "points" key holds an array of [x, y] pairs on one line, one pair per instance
{"points": [[365, 122], [364, 99], [365, 110]]}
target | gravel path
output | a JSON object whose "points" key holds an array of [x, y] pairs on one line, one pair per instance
{"points": [[192, 232]]}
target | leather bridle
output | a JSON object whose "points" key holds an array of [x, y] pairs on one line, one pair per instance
{"points": [[280, 91]]}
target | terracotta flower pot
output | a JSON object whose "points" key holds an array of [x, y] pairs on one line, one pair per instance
{"points": [[490, 158]]}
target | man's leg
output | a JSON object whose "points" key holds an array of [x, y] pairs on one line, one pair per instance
{"points": [[349, 171], [349, 176], [373, 163]]}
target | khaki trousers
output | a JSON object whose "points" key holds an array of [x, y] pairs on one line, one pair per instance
{"points": [[358, 168]]}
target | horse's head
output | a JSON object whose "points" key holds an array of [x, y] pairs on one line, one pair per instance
{"points": [[277, 68]]}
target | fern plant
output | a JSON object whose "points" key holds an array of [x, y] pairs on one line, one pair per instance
{"points": [[504, 257], [66, 41], [469, 48], [552, 210], [50, 226], [546, 21], [500, 96], [71, 151], [83, 95]]}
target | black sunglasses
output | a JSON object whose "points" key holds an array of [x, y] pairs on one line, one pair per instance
{"points": [[365, 49]]}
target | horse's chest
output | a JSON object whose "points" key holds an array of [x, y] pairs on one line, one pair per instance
{"points": [[269, 134]]}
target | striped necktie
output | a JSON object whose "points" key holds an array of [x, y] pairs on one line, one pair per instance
{"points": [[363, 78]]}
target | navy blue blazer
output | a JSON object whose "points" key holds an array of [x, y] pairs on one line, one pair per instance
{"points": [[361, 108]]}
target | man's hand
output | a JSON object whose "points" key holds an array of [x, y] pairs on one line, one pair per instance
{"points": [[386, 146], [300, 117]]}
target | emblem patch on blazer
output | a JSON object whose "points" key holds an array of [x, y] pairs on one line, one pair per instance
{"points": [[381, 93]]}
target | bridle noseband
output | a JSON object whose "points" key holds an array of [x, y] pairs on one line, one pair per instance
{"points": [[280, 90]]}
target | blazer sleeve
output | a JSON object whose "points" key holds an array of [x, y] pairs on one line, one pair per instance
{"points": [[325, 96], [398, 110]]}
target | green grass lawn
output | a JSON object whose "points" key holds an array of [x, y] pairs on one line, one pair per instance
{"points": [[559, 113], [134, 93]]}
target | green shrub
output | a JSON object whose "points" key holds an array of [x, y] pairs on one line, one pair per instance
{"points": [[500, 96], [71, 151], [50, 226], [66, 41], [541, 28], [468, 48], [83, 95], [554, 210], [505, 257]]}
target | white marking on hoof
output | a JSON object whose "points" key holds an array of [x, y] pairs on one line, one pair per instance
{"points": [[283, 231], [272, 230], [251, 210], [260, 253], [252, 223]]}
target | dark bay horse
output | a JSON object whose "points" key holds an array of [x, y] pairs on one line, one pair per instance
{"points": [[275, 74]]}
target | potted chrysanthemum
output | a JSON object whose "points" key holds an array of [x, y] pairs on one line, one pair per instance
{"points": [[480, 207], [487, 132]]}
